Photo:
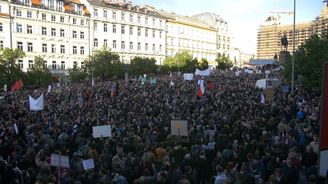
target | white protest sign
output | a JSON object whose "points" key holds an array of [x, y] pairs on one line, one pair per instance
{"points": [[179, 127], [59, 161], [267, 71], [102, 131], [49, 88], [188, 76], [36, 104], [88, 164]]}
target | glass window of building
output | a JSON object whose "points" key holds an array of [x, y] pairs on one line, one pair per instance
{"points": [[44, 47], [29, 29]]}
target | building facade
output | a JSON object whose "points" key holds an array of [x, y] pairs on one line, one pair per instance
{"points": [[271, 32], [55, 30], [223, 34], [127, 30], [189, 34]]}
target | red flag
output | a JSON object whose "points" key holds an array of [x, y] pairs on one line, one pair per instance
{"points": [[17, 86], [210, 85], [200, 89]]}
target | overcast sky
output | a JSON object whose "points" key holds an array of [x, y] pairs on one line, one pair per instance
{"points": [[243, 16]]}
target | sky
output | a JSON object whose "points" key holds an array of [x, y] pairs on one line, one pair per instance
{"points": [[243, 16]]}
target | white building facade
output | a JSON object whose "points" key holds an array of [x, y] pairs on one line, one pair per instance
{"points": [[128, 30], [54, 30]]}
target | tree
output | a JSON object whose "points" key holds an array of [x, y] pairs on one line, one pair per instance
{"points": [[9, 70], [141, 65], [191, 66], [39, 74], [179, 61], [203, 65], [77, 74], [309, 59], [104, 63], [223, 63]]}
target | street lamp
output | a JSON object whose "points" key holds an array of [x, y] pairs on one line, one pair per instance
{"points": [[293, 58]]}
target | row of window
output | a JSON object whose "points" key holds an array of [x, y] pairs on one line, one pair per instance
{"points": [[53, 65], [114, 46], [52, 46], [123, 17]]}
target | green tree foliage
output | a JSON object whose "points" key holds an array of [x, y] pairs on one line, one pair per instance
{"points": [[309, 59], [9, 70], [180, 61], [141, 65], [223, 63], [203, 64], [191, 65], [104, 63], [77, 74], [39, 74]]}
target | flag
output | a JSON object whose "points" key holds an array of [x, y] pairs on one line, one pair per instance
{"points": [[36, 104], [17, 86], [210, 85], [113, 92], [200, 89], [262, 98]]}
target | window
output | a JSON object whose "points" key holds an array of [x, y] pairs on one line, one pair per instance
{"points": [[53, 18], [53, 48], [53, 32], [146, 46], [105, 27], [95, 13], [30, 64], [139, 19], [123, 45], [139, 46], [62, 33], [74, 64], [95, 26], [160, 48], [160, 34], [19, 28], [81, 50], [82, 22], [95, 42], [123, 29], [18, 13], [1, 27], [62, 65], [62, 49], [62, 19], [114, 28], [82, 35], [153, 48], [74, 34], [139, 31], [105, 43], [54, 65], [105, 14], [74, 50], [29, 29], [153, 33], [131, 18], [122, 16], [74, 20], [153, 22], [114, 44], [114, 15], [20, 45], [44, 31], [131, 46], [29, 14], [29, 47], [160, 23], [44, 16], [1, 44], [146, 33], [146, 20], [131, 30], [20, 64], [44, 47]]}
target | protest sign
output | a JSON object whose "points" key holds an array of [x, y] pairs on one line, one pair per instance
{"points": [[88, 164], [102, 131], [179, 127], [59, 161], [188, 76]]}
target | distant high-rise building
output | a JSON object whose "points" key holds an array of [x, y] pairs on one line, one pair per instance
{"points": [[271, 31]]}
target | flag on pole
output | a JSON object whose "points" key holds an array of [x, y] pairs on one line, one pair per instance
{"points": [[262, 98], [113, 91], [200, 89], [36, 104], [17, 86]]}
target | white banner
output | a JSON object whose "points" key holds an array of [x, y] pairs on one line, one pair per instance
{"points": [[88, 164], [188, 76], [36, 105], [203, 72], [59, 161], [102, 131], [179, 127]]}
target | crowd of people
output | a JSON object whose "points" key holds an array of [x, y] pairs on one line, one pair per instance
{"points": [[233, 137]]}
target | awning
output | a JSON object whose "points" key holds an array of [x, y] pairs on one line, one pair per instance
{"points": [[68, 7], [36, 2]]}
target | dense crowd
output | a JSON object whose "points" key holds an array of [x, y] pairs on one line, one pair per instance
{"points": [[233, 138]]}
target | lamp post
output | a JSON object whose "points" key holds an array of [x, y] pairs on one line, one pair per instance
{"points": [[293, 58]]}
